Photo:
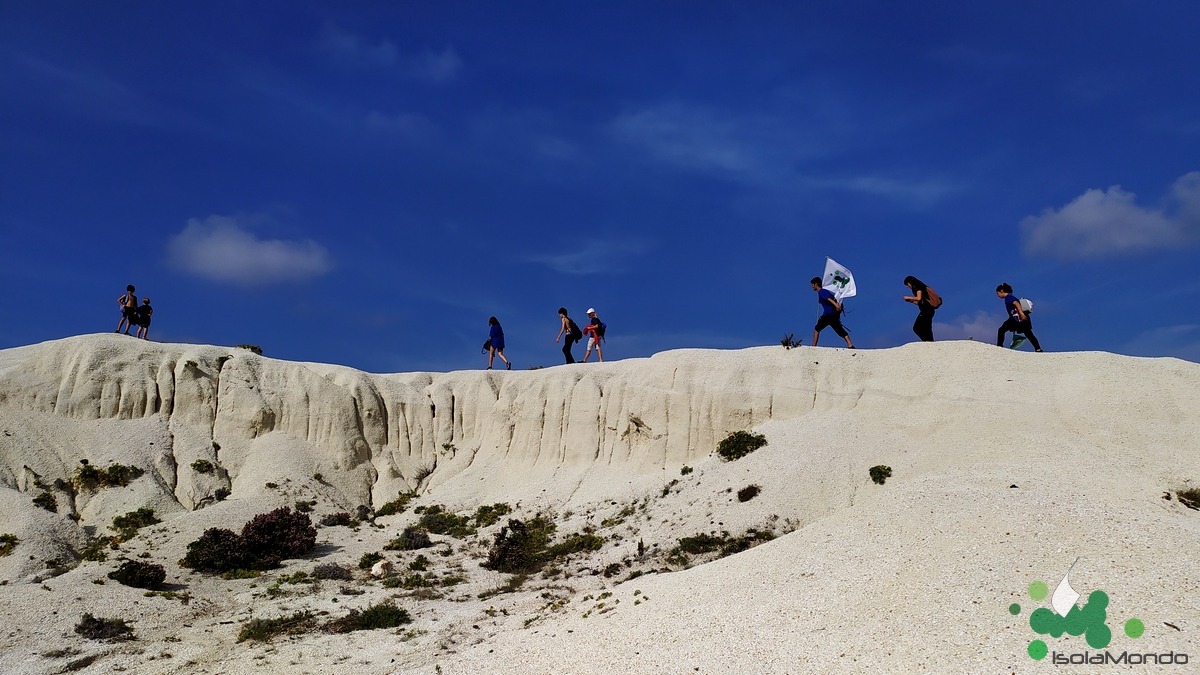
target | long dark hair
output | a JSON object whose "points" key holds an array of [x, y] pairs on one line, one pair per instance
{"points": [[493, 321], [911, 281]]}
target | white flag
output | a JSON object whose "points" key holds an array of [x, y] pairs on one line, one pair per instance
{"points": [[838, 280]]}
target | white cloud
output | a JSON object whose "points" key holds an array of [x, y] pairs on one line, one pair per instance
{"points": [[1099, 223], [593, 258], [357, 51], [981, 327], [1181, 341], [763, 151], [221, 250]]}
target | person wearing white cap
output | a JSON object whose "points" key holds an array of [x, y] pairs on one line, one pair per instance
{"points": [[595, 332]]}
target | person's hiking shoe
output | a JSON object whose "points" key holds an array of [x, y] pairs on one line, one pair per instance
{"points": [[508, 366], [1018, 340]]}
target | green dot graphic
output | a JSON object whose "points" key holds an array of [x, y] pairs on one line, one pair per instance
{"points": [[1014, 609], [1038, 590], [1037, 650], [1134, 628]]}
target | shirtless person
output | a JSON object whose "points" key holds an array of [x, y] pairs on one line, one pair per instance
{"points": [[128, 303]]}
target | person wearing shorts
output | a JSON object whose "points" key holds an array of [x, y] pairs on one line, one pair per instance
{"points": [[830, 308], [496, 343], [1018, 321], [143, 318], [571, 330], [592, 330], [129, 308]]}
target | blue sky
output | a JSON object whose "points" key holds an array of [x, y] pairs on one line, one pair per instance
{"points": [[366, 183]]}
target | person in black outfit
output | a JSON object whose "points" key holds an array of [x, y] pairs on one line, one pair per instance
{"points": [[571, 330], [923, 326], [143, 318]]}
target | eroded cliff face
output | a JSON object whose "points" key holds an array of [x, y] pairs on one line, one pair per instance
{"points": [[371, 435]]}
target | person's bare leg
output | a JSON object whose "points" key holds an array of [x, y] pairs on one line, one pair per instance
{"points": [[491, 355], [501, 354], [599, 354], [848, 342], [816, 333], [586, 354]]}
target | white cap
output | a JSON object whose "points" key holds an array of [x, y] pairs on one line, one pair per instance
{"points": [[591, 310]]}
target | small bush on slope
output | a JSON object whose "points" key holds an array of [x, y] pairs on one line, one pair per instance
{"points": [[265, 541], [739, 444], [139, 574]]}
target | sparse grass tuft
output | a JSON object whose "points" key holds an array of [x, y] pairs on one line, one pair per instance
{"points": [[127, 526], [411, 539], [490, 515], [383, 615], [203, 466], [397, 505], [437, 520], [93, 628], [88, 477], [47, 501], [332, 571], [368, 560], [263, 630], [8, 543], [1189, 498], [880, 473], [739, 444], [336, 519]]}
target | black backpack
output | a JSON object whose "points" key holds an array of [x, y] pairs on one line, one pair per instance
{"points": [[573, 327]]}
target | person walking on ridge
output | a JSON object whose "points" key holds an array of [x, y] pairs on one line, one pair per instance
{"points": [[129, 307], [1017, 322], [595, 333], [496, 343], [143, 318], [920, 297], [571, 330], [830, 308]]}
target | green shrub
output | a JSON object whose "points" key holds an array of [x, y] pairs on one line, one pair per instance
{"points": [[419, 564], [411, 539], [93, 628], [97, 551], [8, 542], [368, 560], [262, 630], [46, 501], [338, 519], [332, 571], [397, 505], [880, 473], [383, 615], [685, 470], [725, 544], [126, 526], [436, 520], [301, 505], [579, 542], [254, 348], [88, 477], [139, 574], [520, 547], [411, 582], [490, 515], [221, 493], [739, 444], [203, 466]]}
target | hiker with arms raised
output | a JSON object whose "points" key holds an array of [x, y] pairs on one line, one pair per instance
{"points": [[830, 309]]}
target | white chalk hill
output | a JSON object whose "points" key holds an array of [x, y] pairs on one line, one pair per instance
{"points": [[1006, 466]]}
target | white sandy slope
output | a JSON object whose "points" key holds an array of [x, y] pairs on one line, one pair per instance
{"points": [[913, 576]]}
